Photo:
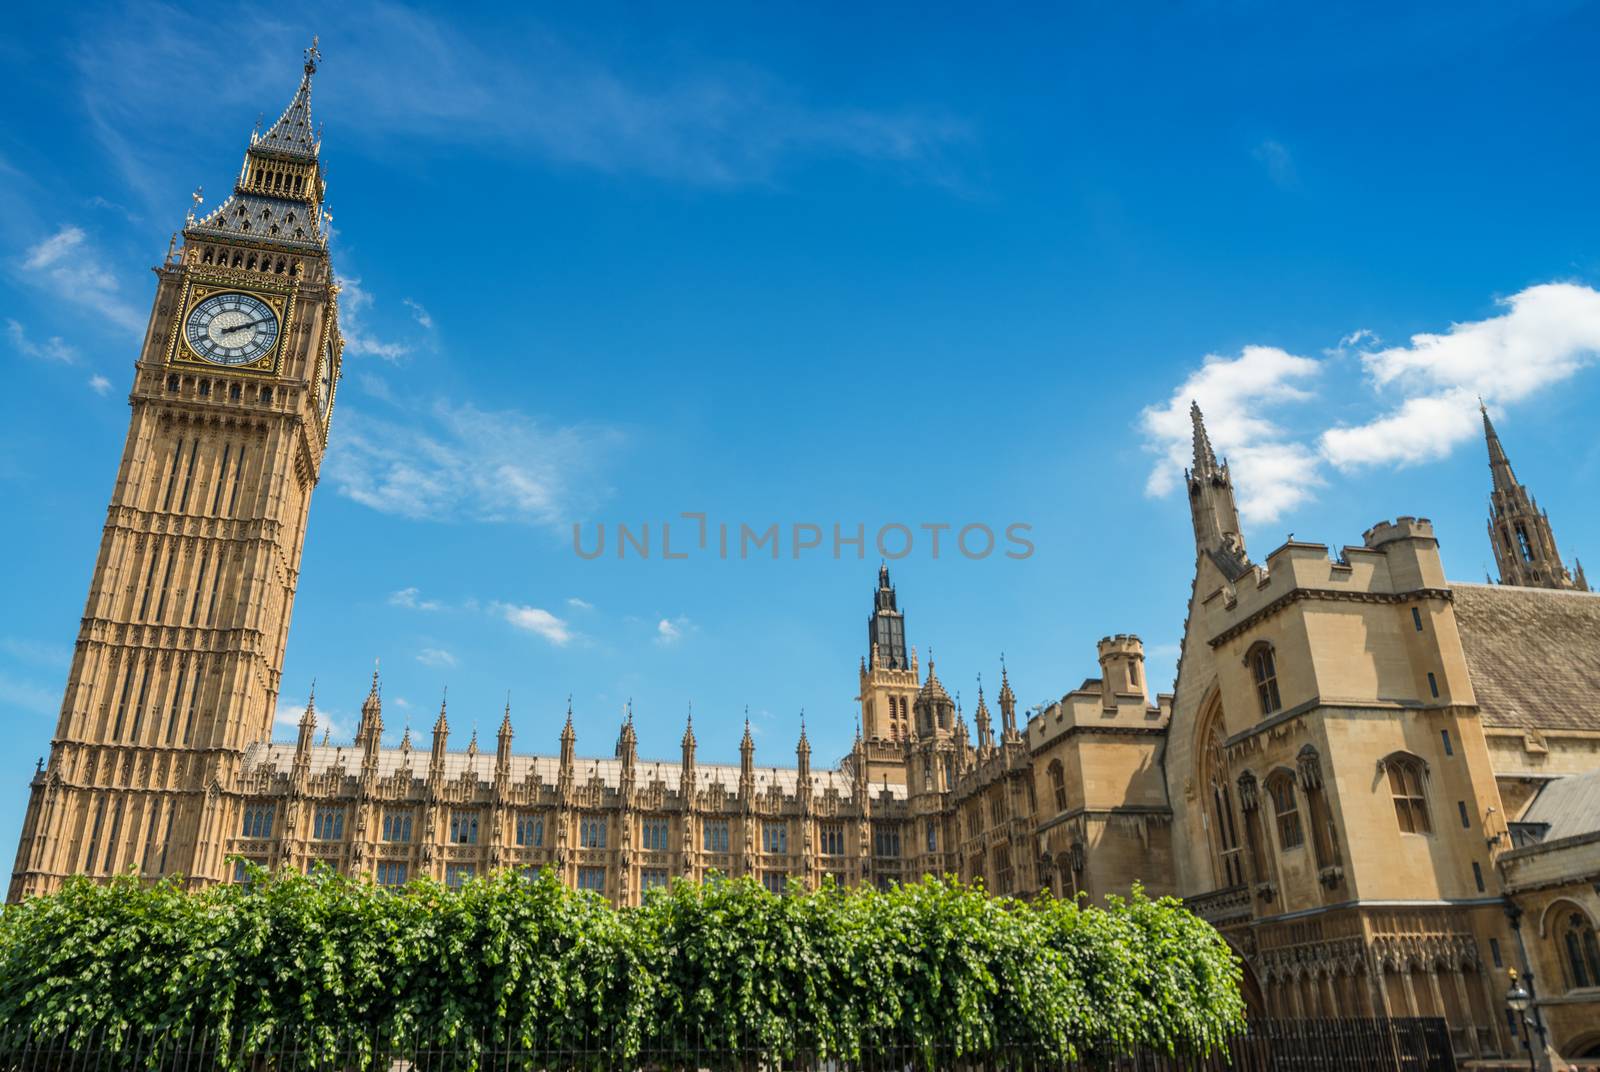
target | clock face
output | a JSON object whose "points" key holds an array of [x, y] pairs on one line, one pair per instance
{"points": [[231, 329], [325, 383]]}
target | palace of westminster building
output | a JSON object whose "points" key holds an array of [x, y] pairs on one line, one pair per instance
{"points": [[1382, 787]]}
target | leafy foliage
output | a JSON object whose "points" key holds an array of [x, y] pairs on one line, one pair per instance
{"points": [[932, 967]]}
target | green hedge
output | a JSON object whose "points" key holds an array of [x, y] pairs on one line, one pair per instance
{"points": [[937, 967]]}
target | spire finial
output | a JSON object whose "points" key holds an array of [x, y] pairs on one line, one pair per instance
{"points": [[1205, 459], [313, 54]]}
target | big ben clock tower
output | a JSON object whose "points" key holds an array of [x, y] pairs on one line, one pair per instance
{"points": [[177, 663]]}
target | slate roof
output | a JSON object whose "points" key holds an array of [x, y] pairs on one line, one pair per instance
{"points": [[1568, 807], [1534, 655], [269, 219]]}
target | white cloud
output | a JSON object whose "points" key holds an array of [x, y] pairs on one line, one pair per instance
{"points": [[418, 313], [354, 303], [51, 349], [579, 604], [1428, 391], [1272, 473], [1273, 156], [1546, 334], [435, 657], [99, 384], [460, 463], [288, 716], [671, 630], [410, 599], [69, 267], [536, 620]]}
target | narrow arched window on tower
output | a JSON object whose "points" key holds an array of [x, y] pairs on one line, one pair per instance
{"points": [[1405, 784], [1264, 667]]}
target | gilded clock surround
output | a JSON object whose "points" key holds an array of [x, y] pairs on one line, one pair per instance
{"points": [[198, 285]]}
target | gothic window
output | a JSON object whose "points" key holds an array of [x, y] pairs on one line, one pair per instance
{"points": [[1280, 787], [257, 821], [1058, 784], [592, 833], [774, 881], [1522, 543], [654, 835], [1004, 877], [775, 837], [652, 878], [327, 824], [463, 828], [933, 835], [1225, 835], [529, 829], [397, 826], [1324, 836], [714, 835], [458, 875], [997, 809], [1264, 667], [886, 840], [1580, 951], [592, 878], [391, 873], [1405, 784], [832, 839]]}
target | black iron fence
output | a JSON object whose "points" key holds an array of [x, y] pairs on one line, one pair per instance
{"points": [[1399, 1045]]}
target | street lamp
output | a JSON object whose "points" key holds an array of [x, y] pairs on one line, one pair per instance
{"points": [[1520, 1000]]}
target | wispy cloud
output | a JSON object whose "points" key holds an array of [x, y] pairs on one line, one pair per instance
{"points": [[1273, 156], [435, 657], [53, 349], [536, 620], [69, 267], [411, 599], [354, 305], [1424, 395], [25, 695], [99, 384], [579, 604], [418, 313], [460, 463], [671, 630], [703, 121]]}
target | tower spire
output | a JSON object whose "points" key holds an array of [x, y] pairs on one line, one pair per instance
{"points": [[1217, 532], [1520, 533]]}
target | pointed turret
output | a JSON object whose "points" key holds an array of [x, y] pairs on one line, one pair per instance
{"points": [[981, 717], [278, 196], [688, 747], [308, 724], [802, 752], [1217, 533], [747, 759], [370, 730], [1523, 540], [1008, 706], [441, 732], [503, 741]]}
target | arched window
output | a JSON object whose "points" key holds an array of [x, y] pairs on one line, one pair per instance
{"points": [[1264, 667], [1280, 787], [1580, 953], [1405, 784], [1058, 784], [1229, 853]]}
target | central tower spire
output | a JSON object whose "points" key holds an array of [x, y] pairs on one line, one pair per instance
{"points": [[1520, 533], [1216, 518]]}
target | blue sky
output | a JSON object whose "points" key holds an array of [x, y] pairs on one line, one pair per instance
{"points": [[790, 265]]}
